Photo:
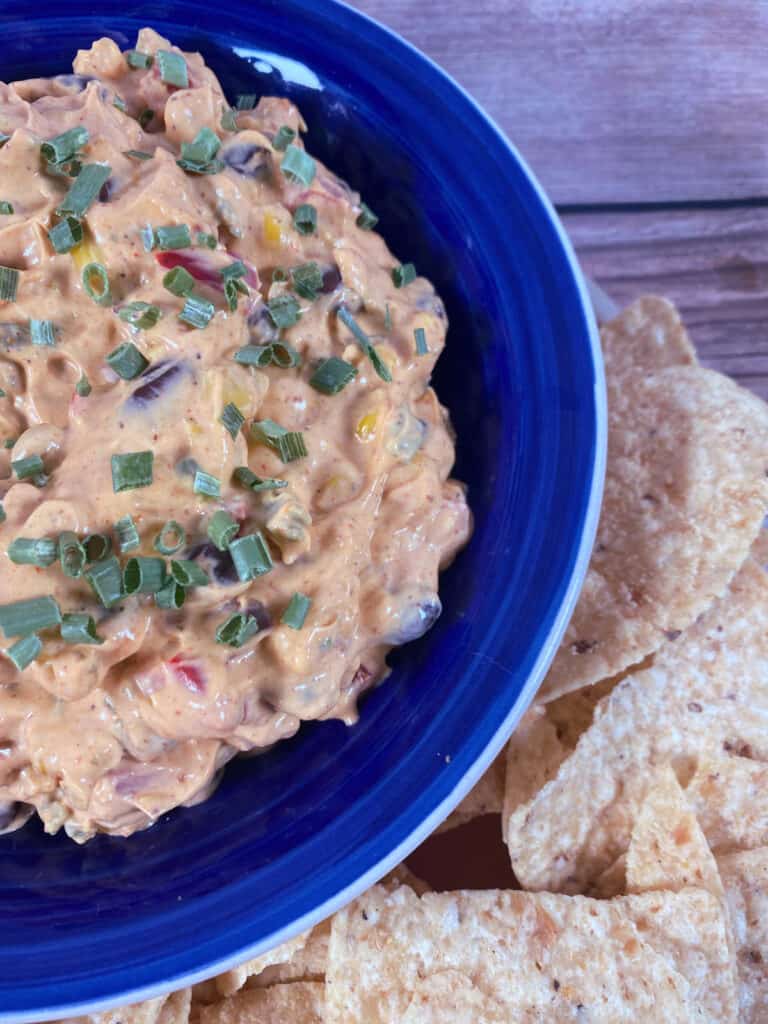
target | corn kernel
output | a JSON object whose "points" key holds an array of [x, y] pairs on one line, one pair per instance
{"points": [[88, 251], [366, 426], [273, 233]]}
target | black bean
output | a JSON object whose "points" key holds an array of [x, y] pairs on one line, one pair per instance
{"points": [[331, 279], [107, 190], [155, 381], [217, 563], [260, 613], [261, 328], [416, 619], [247, 158]]}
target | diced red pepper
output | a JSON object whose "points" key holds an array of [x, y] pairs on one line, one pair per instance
{"points": [[189, 673]]}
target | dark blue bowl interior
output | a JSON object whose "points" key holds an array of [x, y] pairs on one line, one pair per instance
{"points": [[287, 833]]}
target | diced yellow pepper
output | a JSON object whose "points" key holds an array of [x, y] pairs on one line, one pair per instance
{"points": [[366, 426], [273, 233], [88, 251]]}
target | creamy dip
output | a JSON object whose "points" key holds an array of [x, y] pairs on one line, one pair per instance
{"points": [[267, 363]]}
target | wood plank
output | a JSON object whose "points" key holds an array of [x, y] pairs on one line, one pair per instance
{"points": [[612, 100], [713, 263]]}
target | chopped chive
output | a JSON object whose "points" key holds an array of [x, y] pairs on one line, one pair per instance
{"points": [[137, 59], [222, 529], [203, 147], [237, 629], [145, 117], [279, 276], [421, 341], [96, 283], [232, 419], [3, 516], [284, 355], [127, 361], [147, 238], [71, 554], [296, 612], [171, 596], [228, 120], [144, 575], [173, 236], [83, 386], [305, 219], [171, 538], [234, 270], [212, 167], [254, 355], [366, 219], [364, 341], [9, 283], [307, 280], [106, 580], [85, 189], [78, 628], [38, 551], [298, 166], [257, 483], [283, 310], [332, 375], [197, 312], [42, 332], [232, 290], [119, 103], [127, 534], [204, 483], [97, 546], [142, 315], [206, 241], [9, 442], [189, 574], [65, 235], [29, 616], [24, 651], [131, 470], [387, 318], [137, 154], [32, 466], [289, 444], [2, 393], [63, 148], [173, 69], [251, 556], [5, 207], [3, 139], [283, 136], [403, 274], [179, 281], [245, 101]]}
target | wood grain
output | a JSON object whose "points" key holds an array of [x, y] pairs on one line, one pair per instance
{"points": [[612, 100], [712, 263]]}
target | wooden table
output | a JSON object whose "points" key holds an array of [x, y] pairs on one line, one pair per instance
{"points": [[647, 123]]}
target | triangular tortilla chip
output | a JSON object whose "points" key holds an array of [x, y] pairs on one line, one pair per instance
{"points": [[309, 964], [170, 1009], [729, 794], [533, 957], [685, 496], [301, 1002], [232, 981], [745, 877], [706, 692]]}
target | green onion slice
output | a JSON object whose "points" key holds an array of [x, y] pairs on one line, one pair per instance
{"points": [[228, 120], [198, 156], [298, 166], [78, 628], [232, 419], [84, 190], [127, 361], [106, 580], [131, 470], [222, 529], [173, 236], [63, 148], [3, 516], [173, 69], [364, 341], [279, 276], [171, 596], [145, 117], [296, 612], [283, 310], [42, 332], [421, 341], [206, 241], [144, 575], [305, 219], [366, 219], [332, 375], [38, 551], [254, 355], [24, 651], [96, 283], [9, 283], [127, 534], [206, 484], [289, 444], [179, 281], [307, 280], [171, 538], [65, 235], [387, 318], [283, 136], [237, 629], [83, 386], [142, 315], [6, 207], [189, 574], [251, 556], [71, 554], [97, 546], [137, 154], [257, 483], [29, 616], [403, 274], [246, 101], [197, 312], [32, 466], [284, 355], [137, 59]]}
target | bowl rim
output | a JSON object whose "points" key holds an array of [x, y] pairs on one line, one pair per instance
{"points": [[542, 661]]}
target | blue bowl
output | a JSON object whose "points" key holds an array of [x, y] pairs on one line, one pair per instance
{"points": [[290, 836]]}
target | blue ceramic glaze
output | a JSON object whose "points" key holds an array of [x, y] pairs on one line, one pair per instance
{"points": [[290, 835]]}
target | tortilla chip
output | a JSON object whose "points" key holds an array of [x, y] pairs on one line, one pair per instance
{"points": [[745, 877], [706, 692], [760, 548], [449, 996], [667, 849], [649, 336], [232, 981], [685, 496], [299, 1003], [309, 964], [534, 957], [612, 882], [487, 797], [730, 797], [170, 1009]]}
